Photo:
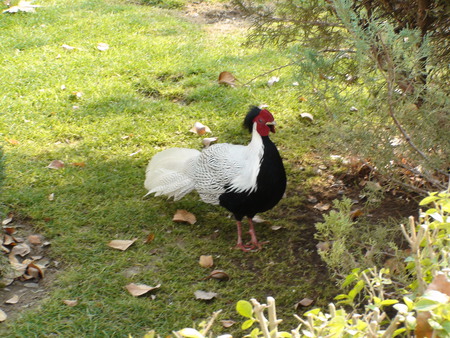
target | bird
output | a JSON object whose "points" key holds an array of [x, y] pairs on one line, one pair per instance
{"points": [[244, 179]]}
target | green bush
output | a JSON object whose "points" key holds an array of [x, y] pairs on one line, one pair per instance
{"points": [[380, 79]]}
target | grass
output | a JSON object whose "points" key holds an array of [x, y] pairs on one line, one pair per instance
{"points": [[140, 96]]}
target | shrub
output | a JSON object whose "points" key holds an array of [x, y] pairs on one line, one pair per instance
{"points": [[380, 78]]}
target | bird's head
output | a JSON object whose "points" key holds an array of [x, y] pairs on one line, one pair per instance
{"points": [[265, 123]]}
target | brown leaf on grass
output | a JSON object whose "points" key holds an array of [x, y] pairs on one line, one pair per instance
{"points": [[217, 274], [204, 295], [56, 164], [307, 116], [7, 220], [35, 239], [3, 316], [200, 129], [102, 46], [10, 230], [304, 302], [12, 141], [121, 244], [184, 216], [356, 213], [8, 240], [78, 164], [70, 302], [35, 270], [228, 79], [149, 238], [137, 290], [322, 206], [440, 283], [206, 261], [226, 323], [13, 300], [21, 249], [258, 219]]}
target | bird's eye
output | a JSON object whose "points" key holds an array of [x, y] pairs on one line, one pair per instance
{"points": [[260, 120]]}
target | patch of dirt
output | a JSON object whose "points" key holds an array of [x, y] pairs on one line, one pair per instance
{"points": [[217, 17], [26, 289]]}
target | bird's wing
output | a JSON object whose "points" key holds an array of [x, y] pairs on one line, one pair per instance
{"points": [[225, 167]]}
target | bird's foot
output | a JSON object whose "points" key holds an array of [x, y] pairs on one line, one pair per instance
{"points": [[242, 247], [250, 246], [255, 245]]}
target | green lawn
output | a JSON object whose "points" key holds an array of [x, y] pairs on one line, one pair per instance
{"points": [[110, 112]]}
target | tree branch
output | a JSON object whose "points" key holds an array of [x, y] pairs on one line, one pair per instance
{"points": [[271, 71]]}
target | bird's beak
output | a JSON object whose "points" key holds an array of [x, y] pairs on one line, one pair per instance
{"points": [[271, 126]]}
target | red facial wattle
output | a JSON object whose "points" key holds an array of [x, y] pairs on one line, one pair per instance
{"points": [[265, 123]]}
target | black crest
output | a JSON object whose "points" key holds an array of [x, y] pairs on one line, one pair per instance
{"points": [[252, 113]]}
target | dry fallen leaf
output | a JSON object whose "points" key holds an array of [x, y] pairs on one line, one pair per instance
{"points": [[13, 300], [7, 240], [51, 197], [70, 302], [35, 239], [149, 238], [78, 164], [35, 270], [258, 219], [121, 244], [204, 295], [140, 289], [56, 164], [356, 213], [442, 284], [7, 220], [21, 249], [304, 302], [3, 316], [22, 6], [200, 129], [12, 141], [226, 78], [273, 80], [67, 47], [322, 206], [184, 216], [217, 274], [226, 323], [102, 46], [208, 141], [206, 261], [276, 227], [307, 115]]}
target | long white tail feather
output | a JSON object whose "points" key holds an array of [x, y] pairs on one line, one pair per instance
{"points": [[168, 173]]}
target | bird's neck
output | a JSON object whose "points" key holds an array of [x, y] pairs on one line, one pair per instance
{"points": [[256, 145]]}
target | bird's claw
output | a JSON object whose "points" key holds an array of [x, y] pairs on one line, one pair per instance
{"points": [[250, 246]]}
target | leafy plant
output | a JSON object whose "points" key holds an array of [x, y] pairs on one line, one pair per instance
{"points": [[376, 305]]}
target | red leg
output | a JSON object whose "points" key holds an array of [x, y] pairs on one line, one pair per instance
{"points": [[254, 244], [239, 244]]}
